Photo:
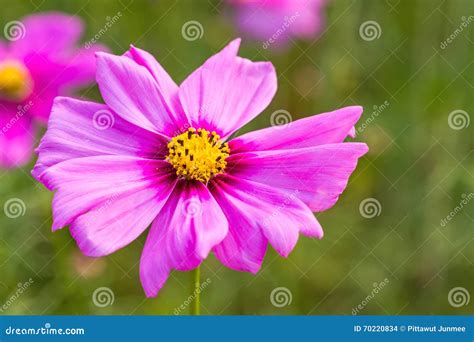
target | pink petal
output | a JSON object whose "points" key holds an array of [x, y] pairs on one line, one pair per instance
{"points": [[132, 92], [278, 215], [82, 129], [183, 234], [52, 33], [3, 50], [77, 68], [227, 91], [45, 74], [43, 99], [277, 21], [317, 175], [311, 17], [244, 247], [17, 136], [352, 132], [108, 200], [168, 88], [56, 75], [326, 128], [80, 68]]}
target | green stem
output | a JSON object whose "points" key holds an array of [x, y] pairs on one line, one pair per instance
{"points": [[196, 288]]}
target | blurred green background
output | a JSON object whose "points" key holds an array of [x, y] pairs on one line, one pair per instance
{"points": [[418, 170]]}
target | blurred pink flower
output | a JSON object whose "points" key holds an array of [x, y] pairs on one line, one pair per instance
{"points": [[163, 155], [39, 62], [275, 22]]}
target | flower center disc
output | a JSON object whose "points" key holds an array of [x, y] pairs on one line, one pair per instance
{"points": [[198, 154], [15, 81]]}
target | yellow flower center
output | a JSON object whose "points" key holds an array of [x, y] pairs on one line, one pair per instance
{"points": [[198, 154], [15, 81]]}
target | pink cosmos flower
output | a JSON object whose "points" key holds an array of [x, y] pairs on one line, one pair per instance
{"points": [[39, 63], [274, 22], [163, 155]]}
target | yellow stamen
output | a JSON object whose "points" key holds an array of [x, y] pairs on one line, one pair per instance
{"points": [[198, 154], [15, 81]]}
